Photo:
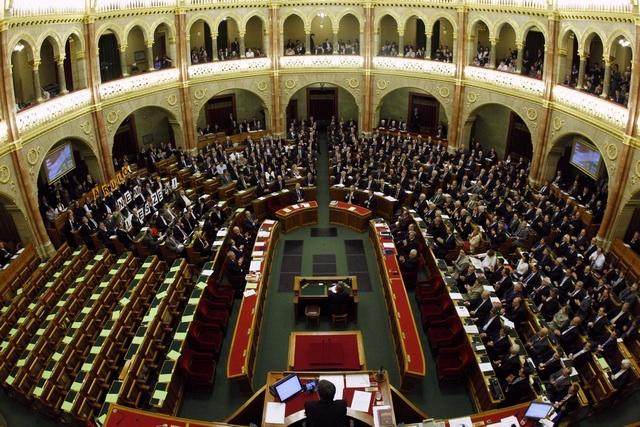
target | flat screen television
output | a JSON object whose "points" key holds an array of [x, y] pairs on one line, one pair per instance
{"points": [[59, 162], [586, 158], [538, 410]]}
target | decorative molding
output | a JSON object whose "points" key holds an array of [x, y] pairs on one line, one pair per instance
{"points": [[382, 85], [444, 92], [289, 86], [172, 100], [557, 123], [503, 79], [116, 88], [262, 85], [5, 174], [86, 127], [530, 113], [33, 154], [472, 98], [51, 110], [224, 67], [612, 152], [321, 61], [415, 65], [609, 112]]}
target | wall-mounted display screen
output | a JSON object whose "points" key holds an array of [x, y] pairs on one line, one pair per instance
{"points": [[59, 162], [586, 158]]}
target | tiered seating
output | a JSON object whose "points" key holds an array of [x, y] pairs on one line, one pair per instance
{"points": [[32, 287], [143, 357], [17, 271], [35, 357], [168, 390], [89, 387], [18, 337], [73, 350]]}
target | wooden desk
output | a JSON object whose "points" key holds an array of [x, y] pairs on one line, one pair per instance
{"points": [[408, 346], [244, 342], [298, 215], [384, 204], [122, 416], [301, 299], [17, 271], [352, 216], [627, 258], [295, 335], [295, 407], [268, 204]]}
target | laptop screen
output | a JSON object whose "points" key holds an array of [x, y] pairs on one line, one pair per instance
{"points": [[538, 410]]}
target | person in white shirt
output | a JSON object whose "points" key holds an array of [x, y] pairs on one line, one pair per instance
{"points": [[490, 260], [523, 265], [597, 260]]}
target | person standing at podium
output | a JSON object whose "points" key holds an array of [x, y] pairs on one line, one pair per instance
{"points": [[326, 412]]}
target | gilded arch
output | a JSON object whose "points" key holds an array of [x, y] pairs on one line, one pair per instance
{"points": [[390, 13], [54, 39], [207, 19], [589, 34], [290, 13], [350, 11], [500, 25], [139, 24], [242, 26], [26, 39], [611, 40], [484, 20], [116, 30], [170, 25]]}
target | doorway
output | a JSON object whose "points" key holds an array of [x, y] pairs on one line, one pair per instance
{"points": [[322, 104]]}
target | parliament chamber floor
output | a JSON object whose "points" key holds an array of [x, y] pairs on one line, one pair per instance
{"points": [[214, 211]]}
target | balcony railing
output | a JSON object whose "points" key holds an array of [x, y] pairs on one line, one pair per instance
{"points": [[235, 66], [26, 8], [116, 88], [507, 80], [52, 109], [414, 65], [322, 61], [610, 112]]}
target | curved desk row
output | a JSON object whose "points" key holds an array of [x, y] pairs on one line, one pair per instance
{"points": [[267, 205], [403, 326], [244, 341], [299, 215], [352, 216], [383, 205]]}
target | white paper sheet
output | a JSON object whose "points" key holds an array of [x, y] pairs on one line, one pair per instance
{"points": [[488, 288], [249, 292], [388, 245], [361, 400], [471, 329], [486, 367], [255, 266], [460, 422], [462, 311], [456, 296], [357, 380], [336, 380], [275, 413], [263, 233]]}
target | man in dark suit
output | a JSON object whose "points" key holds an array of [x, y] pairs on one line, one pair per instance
{"points": [[620, 378], [559, 384], [326, 412], [339, 300], [370, 201], [298, 194], [570, 336]]}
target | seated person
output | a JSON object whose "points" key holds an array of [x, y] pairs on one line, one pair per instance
{"points": [[567, 403], [409, 268], [623, 375], [326, 412], [339, 300]]}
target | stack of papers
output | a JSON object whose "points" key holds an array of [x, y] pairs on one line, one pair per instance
{"points": [[361, 401], [357, 381], [338, 382], [275, 413]]}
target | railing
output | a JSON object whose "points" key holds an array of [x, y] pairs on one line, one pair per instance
{"points": [[116, 88], [531, 4], [608, 111], [615, 6], [26, 8], [223, 67], [322, 61], [109, 5], [52, 109], [414, 65], [504, 79]]}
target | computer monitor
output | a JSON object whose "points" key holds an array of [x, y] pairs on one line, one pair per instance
{"points": [[538, 410], [287, 387]]}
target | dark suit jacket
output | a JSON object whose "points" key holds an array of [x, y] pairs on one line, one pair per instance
{"points": [[326, 414]]}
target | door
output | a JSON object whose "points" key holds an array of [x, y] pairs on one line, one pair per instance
{"points": [[423, 113], [292, 111], [519, 138], [219, 110], [322, 104]]}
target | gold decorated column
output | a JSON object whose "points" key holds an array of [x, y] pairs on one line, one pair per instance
{"points": [[183, 57], [617, 183], [540, 140], [25, 189], [278, 117], [458, 94], [150, 58], [367, 48], [93, 78], [61, 76], [36, 81]]}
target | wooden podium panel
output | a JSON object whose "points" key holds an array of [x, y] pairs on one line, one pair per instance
{"points": [[384, 204], [298, 215], [352, 216], [319, 295], [267, 205]]}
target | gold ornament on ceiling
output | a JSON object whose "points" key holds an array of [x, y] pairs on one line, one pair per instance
{"points": [[262, 85], [472, 97], [172, 100], [353, 83], [33, 154], [444, 92], [85, 127], [5, 174], [200, 93], [112, 116], [531, 113], [612, 152], [557, 123]]}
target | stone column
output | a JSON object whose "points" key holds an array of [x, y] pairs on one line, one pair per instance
{"points": [[278, 114], [150, 58], [427, 49], [62, 81], [307, 41], [188, 57], [561, 72], [400, 43], [243, 50], [606, 83], [376, 43], [520, 47], [492, 53], [123, 60], [368, 48], [335, 42], [582, 70], [214, 47], [183, 55], [172, 52], [81, 69], [454, 137], [266, 51], [36, 81]]}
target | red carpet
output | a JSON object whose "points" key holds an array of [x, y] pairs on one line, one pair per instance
{"points": [[326, 352]]}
